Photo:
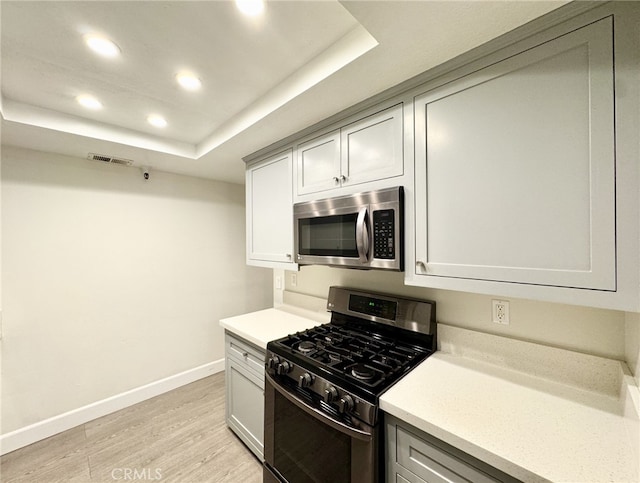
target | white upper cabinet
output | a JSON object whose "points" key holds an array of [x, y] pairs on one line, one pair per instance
{"points": [[372, 148], [367, 150], [319, 164], [520, 162], [515, 172], [515, 168], [270, 212]]}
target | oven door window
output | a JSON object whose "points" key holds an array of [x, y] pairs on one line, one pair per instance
{"points": [[328, 236], [306, 450]]}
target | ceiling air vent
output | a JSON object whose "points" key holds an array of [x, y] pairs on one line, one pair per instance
{"points": [[109, 159]]}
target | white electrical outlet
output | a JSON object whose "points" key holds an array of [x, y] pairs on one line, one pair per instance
{"points": [[294, 279], [500, 311]]}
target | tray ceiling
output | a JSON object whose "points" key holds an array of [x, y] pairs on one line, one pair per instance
{"points": [[263, 78]]}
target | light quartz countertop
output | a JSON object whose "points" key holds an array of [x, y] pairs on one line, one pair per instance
{"points": [[266, 325], [534, 412]]}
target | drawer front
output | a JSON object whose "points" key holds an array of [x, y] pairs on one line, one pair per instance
{"points": [[246, 355], [432, 464]]}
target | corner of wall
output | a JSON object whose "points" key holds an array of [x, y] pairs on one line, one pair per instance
{"points": [[632, 344]]}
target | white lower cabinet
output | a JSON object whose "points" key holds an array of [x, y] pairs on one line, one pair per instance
{"points": [[245, 392], [416, 457]]}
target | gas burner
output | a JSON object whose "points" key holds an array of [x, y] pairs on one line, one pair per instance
{"points": [[306, 346], [363, 372]]}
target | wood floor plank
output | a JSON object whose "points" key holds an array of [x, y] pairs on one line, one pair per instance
{"points": [[41, 461], [180, 436]]}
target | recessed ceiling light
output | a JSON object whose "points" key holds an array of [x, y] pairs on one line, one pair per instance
{"points": [[89, 102], [189, 81], [102, 46], [250, 7], [157, 121]]}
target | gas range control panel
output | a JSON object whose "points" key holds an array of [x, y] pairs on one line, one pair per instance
{"points": [[334, 396]]}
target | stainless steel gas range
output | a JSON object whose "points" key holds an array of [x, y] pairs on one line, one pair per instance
{"points": [[323, 385]]}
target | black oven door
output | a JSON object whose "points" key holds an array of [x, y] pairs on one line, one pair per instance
{"points": [[303, 444]]}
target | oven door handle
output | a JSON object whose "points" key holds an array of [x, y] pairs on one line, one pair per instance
{"points": [[362, 235], [319, 415]]}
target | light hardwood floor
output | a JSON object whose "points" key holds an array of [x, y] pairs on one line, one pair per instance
{"points": [[180, 436]]}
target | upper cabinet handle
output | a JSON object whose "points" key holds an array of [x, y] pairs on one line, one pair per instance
{"points": [[336, 179], [343, 178]]}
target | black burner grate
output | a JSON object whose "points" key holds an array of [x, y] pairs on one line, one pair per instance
{"points": [[365, 358]]}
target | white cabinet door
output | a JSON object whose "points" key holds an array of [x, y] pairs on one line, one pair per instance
{"points": [[367, 150], [245, 413], [244, 380], [372, 149], [417, 457], [269, 211], [319, 164], [515, 168]]}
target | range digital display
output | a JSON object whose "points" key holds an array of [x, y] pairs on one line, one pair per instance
{"points": [[385, 309]]}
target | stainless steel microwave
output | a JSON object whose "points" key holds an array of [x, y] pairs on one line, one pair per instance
{"points": [[364, 230]]}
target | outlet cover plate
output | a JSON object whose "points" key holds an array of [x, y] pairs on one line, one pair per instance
{"points": [[500, 311]]}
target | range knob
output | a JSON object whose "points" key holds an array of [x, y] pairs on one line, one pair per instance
{"points": [[330, 394], [345, 404], [273, 362], [305, 380], [284, 368]]}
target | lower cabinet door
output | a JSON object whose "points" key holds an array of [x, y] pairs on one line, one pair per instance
{"points": [[413, 456], [432, 464], [245, 406]]}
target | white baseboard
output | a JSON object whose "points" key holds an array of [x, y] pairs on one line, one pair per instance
{"points": [[57, 424]]}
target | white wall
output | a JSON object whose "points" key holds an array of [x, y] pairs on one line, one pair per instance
{"points": [[1, 357], [632, 344], [111, 282], [594, 331]]}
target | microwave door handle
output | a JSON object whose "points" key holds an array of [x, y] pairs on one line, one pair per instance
{"points": [[362, 235]]}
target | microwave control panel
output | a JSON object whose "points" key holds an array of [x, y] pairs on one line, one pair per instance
{"points": [[383, 234]]}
